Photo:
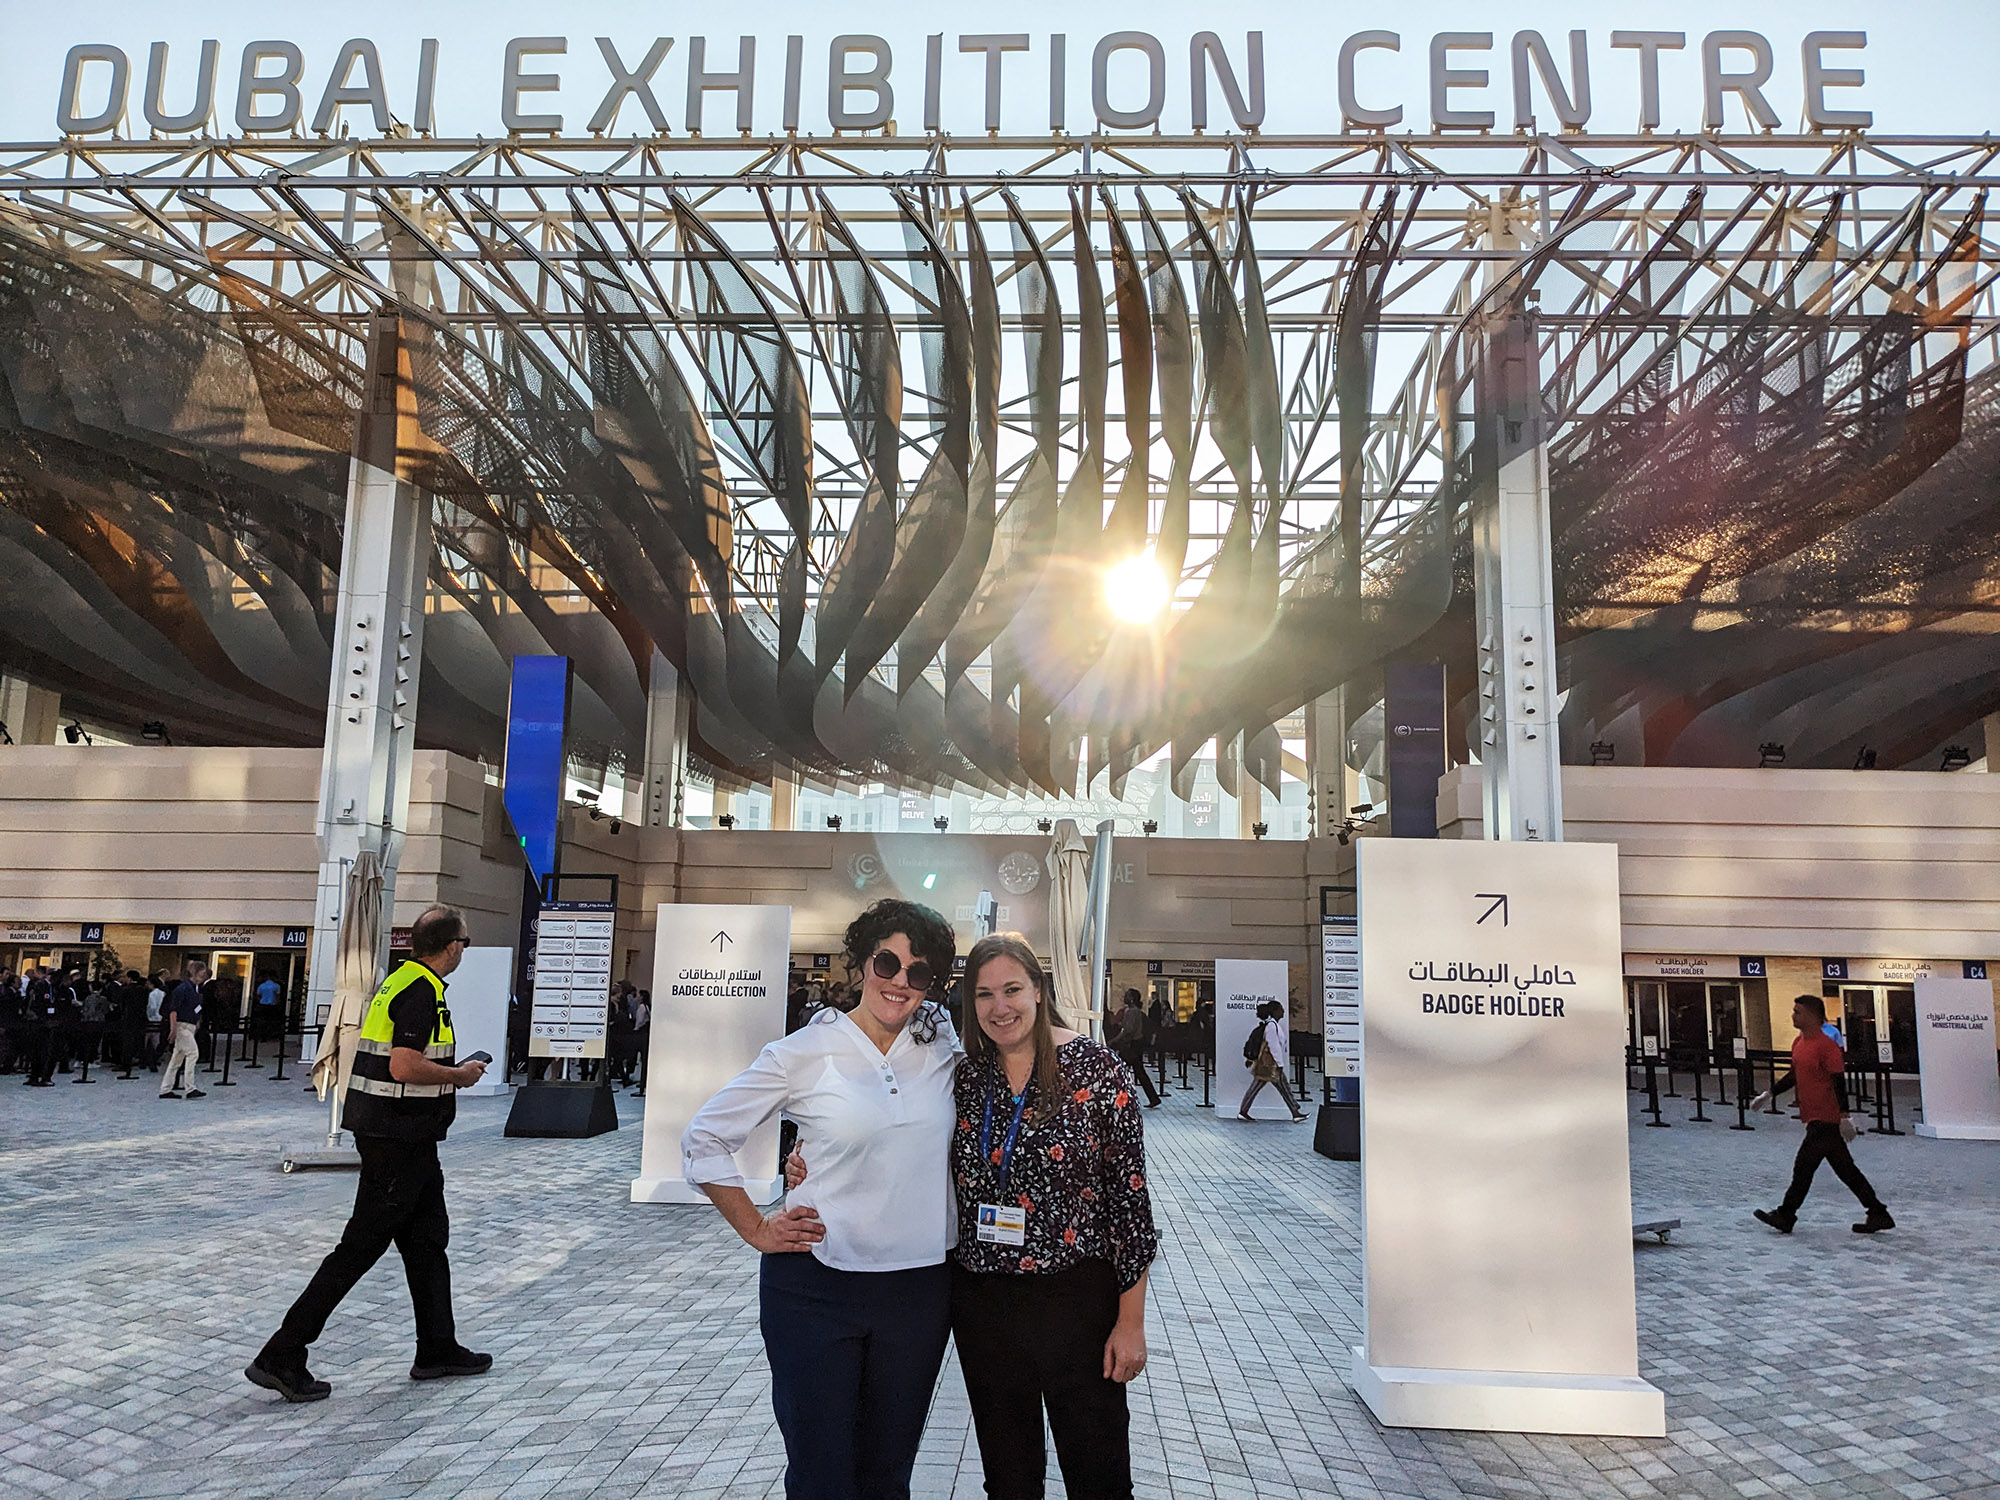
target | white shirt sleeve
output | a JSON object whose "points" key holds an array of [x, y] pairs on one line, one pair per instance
{"points": [[721, 1126]]}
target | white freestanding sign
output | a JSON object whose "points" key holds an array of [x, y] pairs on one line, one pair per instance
{"points": [[1497, 1238], [1955, 1053], [719, 977], [478, 992], [1241, 985]]}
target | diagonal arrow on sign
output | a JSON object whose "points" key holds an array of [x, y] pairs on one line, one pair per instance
{"points": [[1499, 900]]}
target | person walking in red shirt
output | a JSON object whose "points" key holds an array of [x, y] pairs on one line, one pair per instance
{"points": [[1819, 1070]]}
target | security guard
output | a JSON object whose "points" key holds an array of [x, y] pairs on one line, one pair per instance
{"points": [[399, 1103]]}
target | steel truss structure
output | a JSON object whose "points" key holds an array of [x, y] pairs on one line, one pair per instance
{"points": [[850, 430]]}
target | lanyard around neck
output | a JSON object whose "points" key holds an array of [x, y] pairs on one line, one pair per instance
{"points": [[1013, 1131]]}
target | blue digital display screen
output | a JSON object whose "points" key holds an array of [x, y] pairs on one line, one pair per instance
{"points": [[537, 731]]}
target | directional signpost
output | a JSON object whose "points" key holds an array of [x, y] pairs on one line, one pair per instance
{"points": [[719, 977], [1497, 1246]]}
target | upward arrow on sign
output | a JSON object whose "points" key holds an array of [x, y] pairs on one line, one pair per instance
{"points": [[721, 941]]}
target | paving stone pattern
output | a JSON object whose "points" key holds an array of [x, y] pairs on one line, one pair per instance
{"points": [[147, 1247]]}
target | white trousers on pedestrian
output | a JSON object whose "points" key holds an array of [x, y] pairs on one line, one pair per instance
{"points": [[184, 1051]]}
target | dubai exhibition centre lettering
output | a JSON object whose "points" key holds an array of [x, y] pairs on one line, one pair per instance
{"points": [[718, 997], [1496, 1183], [1477, 80]]}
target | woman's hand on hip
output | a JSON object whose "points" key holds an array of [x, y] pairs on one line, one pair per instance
{"points": [[786, 1233], [1125, 1352]]}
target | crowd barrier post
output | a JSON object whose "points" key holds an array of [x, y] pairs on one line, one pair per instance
{"points": [[1651, 1047], [278, 1074], [86, 1045], [1206, 1069], [1667, 1066], [1745, 1081], [1160, 1066], [228, 1048], [1721, 1076], [1885, 1098], [1700, 1116]]}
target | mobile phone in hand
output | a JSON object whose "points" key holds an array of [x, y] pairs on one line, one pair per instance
{"points": [[480, 1057]]}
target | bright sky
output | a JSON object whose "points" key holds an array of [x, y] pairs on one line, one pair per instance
{"points": [[1928, 63]]}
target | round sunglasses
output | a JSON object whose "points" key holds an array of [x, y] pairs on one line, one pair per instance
{"points": [[887, 966]]}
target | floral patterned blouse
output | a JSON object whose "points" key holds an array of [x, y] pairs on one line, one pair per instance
{"points": [[1079, 1172]]}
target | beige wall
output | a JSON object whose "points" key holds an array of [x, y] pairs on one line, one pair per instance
{"points": [[1790, 865], [132, 836], [1853, 864]]}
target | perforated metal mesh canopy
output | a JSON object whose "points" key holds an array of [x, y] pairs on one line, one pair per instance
{"points": [[851, 431]]}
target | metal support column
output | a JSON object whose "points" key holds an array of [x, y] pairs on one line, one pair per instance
{"points": [[667, 706], [364, 788], [1518, 744]]}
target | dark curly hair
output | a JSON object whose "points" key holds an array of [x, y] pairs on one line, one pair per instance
{"points": [[931, 939]]}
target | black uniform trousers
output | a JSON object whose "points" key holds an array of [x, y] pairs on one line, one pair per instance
{"points": [[1823, 1144], [1028, 1341], [399, 1201]]}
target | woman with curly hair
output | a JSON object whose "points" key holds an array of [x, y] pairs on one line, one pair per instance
{"points": [[854, 1290], [1055, 1234]]}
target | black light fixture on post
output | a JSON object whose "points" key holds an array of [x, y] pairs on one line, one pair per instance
{"points": [[1043, 825], [1864, 758], [727, 820], [1770, 753], [5, 737], [75, 732], [833, 821], [155, 732], [940, 824], [1956, 758], [1603, 753], [1258, 830], [1149, 827]]}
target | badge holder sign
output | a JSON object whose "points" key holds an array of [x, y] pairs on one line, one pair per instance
{"points": [[1496, 1177]]}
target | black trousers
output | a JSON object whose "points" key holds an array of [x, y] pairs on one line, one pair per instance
{"points": [[1823, 1144], [399, 1201], [854, 1359], [1133, 1055], [1030, 1341]]}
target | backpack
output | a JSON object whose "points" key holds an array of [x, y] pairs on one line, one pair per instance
{"points": [[1253, 1045]]}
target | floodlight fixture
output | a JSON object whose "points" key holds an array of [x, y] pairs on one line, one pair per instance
{"points": [[940, 824], [1043, 825], [1258, 830], [1770, 753], [1603, 753], [1956, 758], [74, 732], [1864, 758], [727, 820], [1149, 827], [833, 821]]}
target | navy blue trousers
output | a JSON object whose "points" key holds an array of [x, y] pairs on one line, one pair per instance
{"points": [[854, 1360]]}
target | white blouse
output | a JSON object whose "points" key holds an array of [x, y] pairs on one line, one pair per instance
{"points": [[875, 1130]]}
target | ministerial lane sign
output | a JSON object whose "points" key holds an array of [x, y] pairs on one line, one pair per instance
{"points": [[1122, 80]]}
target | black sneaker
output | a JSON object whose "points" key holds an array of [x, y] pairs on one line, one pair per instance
{"points": [[1778, 1219], [197, 1093], [292, 1381], [461, 1361], [1878, 1220], [175, 1094]]}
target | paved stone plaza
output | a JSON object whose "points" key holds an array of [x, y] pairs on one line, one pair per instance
{"points": [[149, 1247]]}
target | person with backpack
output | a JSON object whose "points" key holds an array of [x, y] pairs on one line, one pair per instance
{"points": [[1128, 1040], [1268, 1051]]}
